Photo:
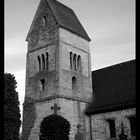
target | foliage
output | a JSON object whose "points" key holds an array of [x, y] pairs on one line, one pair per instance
{"points": [[11, 108], [55, 127], [29, 117], [122, 135]]}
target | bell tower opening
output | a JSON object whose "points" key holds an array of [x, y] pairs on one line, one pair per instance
{"points": [[43, 62], [47, 61], [79, 67], [39, 63], [74, 61], [44, 19], [71, 61]]}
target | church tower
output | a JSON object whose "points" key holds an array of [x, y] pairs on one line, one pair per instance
{"points": [[58, 71]]}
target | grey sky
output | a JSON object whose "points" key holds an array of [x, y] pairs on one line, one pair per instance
{"points": [[109, 23]]}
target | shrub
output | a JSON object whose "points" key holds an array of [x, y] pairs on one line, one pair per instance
{"points": [[55, 127], [11, 109]]}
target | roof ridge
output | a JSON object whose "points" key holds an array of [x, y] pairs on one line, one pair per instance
{"points": [[64, 5], [115, 65], [49, 1]]}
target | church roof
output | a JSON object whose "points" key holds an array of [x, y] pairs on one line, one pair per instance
{"points": [[67, 19], [113, 88]]}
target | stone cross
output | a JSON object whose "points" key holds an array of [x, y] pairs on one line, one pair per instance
{"points": [[78, 127], [55, 108], [79, 135]]}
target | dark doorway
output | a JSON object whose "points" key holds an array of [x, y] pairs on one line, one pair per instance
{"points": [[112, 128]]}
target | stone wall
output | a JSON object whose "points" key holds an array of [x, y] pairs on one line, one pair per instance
{"points": [[37, 47], [29, 115], [51, 32], [69, 42], [58, 85], [72, 111], [100, 127], [33, 61]]}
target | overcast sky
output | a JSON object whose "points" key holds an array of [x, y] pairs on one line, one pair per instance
{"points": [[109, 23]]}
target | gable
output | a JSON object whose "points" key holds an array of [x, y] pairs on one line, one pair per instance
{"points": [[44, 30], [63, 15]]}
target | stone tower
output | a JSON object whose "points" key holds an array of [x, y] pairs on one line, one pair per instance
{"points": [[58, 70]]}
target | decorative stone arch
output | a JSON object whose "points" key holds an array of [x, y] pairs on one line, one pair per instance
{"points": [[44, 19], [71, 60], [43, 62], [39, 63], [47, 60], [75, 61], [79, 65], [54, 127]]}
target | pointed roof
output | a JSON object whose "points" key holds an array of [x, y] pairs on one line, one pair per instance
{"points": [[66, 18]]}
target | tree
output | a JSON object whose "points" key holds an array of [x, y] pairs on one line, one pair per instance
{"points": [[54, 127], [11, 108]]}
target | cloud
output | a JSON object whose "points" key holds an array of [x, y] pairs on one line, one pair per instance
{"points": [[15, 53], [15, 44], [110, 55], [15, 62]]}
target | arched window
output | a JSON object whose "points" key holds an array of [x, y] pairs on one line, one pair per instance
{"points": [[47, 60], [44, 19], [71, 60], [79, 63], [42, 84], [74, 83], [43, 62], [74, 61], [39, 63]]}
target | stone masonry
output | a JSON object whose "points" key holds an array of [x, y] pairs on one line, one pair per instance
{"points": [[58, 43]]}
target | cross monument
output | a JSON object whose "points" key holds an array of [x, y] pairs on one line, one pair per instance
{"points": [[55, 108]]}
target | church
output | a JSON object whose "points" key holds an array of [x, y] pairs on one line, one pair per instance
{"points": [[97, 104]]}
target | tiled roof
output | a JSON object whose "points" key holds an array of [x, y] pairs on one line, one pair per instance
{"points": [[67, 19], [113, 88]]}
